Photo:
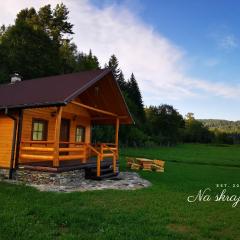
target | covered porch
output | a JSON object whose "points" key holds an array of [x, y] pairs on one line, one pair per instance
{"points": [[60, 151]]}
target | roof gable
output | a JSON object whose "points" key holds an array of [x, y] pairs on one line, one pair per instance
{"points": [[62, 89]]}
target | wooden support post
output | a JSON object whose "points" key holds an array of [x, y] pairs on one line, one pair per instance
{"points": [[116, 135], [116, 142], [98, 165], [116, 132], [57, 136], [85, 153], [101, 151], [115, 163]]}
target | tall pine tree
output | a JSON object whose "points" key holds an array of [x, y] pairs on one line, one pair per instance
{"points": [[87, 62], [133, 92], [117, 72], [113, 64], [121, 81]]}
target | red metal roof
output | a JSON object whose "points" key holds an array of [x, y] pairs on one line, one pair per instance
{"points": [[48, 91]]}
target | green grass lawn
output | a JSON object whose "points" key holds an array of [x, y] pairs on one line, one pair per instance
{"points": [[159, 212], [228, 155]]}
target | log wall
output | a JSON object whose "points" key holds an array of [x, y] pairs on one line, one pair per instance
{"points": [[6, 138], [76, 115]]}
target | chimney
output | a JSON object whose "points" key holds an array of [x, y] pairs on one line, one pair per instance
{"points": [[16, 77]]}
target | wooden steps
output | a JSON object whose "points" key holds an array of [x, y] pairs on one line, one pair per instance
{"points": [[105, 173]]}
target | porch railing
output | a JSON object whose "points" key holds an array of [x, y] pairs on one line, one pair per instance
{"points": [[44, 151], [36, 150]]}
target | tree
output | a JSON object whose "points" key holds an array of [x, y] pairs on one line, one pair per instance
{"points": [[87, 62], [189, 117], [113, 64], [60, 25], [135, 96], [121, 81], [36, 45], [53, 22], [29, 51], [117, 72], [68, 55], [164, 124], [195, 131], [2, 31], [130, 135]]}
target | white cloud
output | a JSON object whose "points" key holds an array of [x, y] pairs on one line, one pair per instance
{"points": [[228, 42], [224, 37], [157, 63]]}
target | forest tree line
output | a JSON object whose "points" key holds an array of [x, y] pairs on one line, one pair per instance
{"points": [[39, 44]]}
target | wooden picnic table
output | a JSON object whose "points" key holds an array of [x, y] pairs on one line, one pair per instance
{"points": [[144, 160], [145, 163]]}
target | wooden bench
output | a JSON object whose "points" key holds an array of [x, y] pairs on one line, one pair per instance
{"points": [[158, 165], [145, 164], [135, 166], [130, 161]]}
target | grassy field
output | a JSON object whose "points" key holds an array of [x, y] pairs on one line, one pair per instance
{"points": [[225, 155], [159, 212]]}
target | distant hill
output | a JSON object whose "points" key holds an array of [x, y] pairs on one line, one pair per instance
{"points": [[222, 125]]}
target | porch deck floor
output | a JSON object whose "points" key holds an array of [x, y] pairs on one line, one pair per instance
{"points": [[64, 165]]}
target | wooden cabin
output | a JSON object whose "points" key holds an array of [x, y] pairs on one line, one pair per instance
{"points": [[45, 123]]}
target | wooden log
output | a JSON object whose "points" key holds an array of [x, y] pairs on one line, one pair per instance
{"points": [[57, 136], [38, 149], [40, 168], [6, 140], [109, 148], [116, 132], [114, 163], [71, 149], [71, 157], [75, 143], [85, 153], [37, 142], [36, 157], [101, 149], [94, 109], [99, 165], [109, 144], [108, 154]]}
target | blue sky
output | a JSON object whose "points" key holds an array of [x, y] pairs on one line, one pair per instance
{"points": [[207, 30], [209, 35], [182, 52]]}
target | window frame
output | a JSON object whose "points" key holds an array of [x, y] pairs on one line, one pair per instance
{"points": [[44, 131], [84, 133]]}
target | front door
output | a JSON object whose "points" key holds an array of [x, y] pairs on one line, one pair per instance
{"points": [[64, 134]]}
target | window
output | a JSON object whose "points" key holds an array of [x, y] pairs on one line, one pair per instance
{"points": [[39, 130], [80, 134]]}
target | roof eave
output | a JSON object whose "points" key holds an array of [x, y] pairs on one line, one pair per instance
{"points": [[34, 105]]}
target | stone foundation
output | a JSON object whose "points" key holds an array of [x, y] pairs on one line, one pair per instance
{"points": [[73, 181], [125, 181], [4, 173], [48, 178]]}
